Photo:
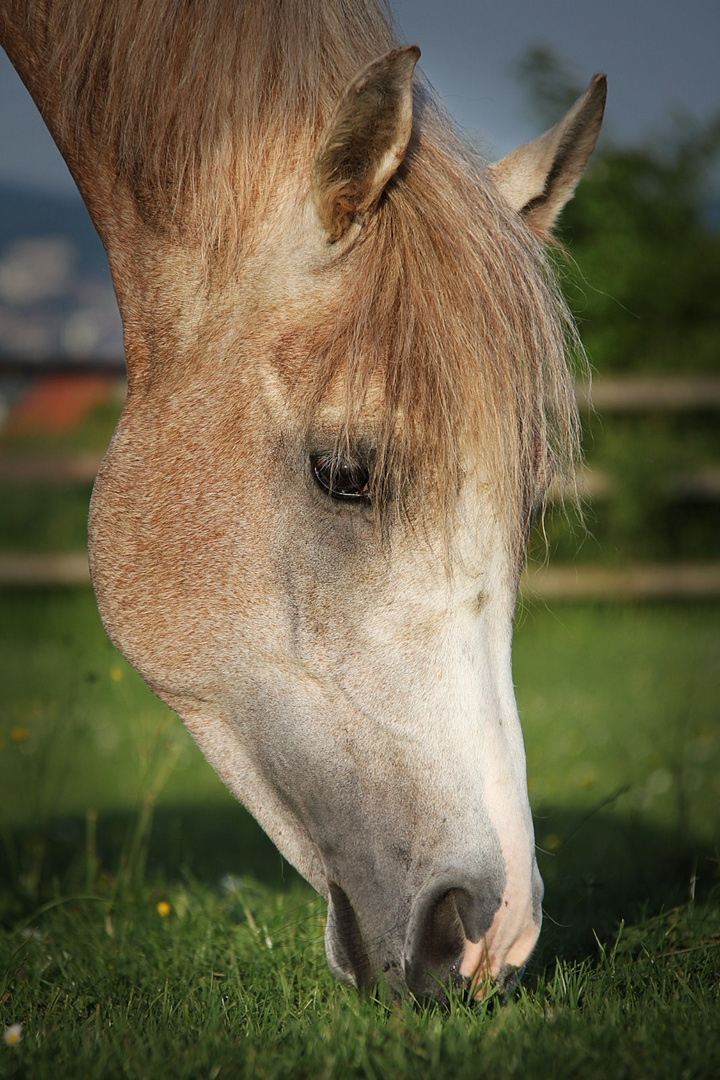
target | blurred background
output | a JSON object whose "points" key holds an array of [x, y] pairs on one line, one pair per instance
{"points": [[642, 276], [618, 639]]}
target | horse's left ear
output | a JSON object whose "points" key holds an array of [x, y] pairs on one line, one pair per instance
{"points": [[365, 141], [538, 178]]}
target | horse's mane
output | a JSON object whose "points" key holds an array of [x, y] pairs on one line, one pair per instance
{"points": [[207, 102], [207, 105]]}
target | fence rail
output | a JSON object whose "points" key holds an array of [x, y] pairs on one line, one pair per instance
{"points": [[650, 393], [671, 581], [590, 483], [685, 581], [613, 395]]}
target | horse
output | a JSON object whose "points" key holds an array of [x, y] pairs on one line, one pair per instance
{"points": [[348, 391]]}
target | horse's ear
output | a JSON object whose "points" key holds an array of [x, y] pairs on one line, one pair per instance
{"points": [[538, 178], [365, 141]]}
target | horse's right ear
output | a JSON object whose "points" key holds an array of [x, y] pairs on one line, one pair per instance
{"points": [[364, 142], [538, 178]]}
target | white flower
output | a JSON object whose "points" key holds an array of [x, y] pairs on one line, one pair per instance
{"points": [[13, 1034]]}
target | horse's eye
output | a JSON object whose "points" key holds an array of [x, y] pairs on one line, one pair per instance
{"points": [[340, 478]]}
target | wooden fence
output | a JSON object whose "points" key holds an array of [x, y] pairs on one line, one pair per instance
{"points": [[540, 583]]}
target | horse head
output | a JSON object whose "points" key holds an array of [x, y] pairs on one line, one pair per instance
{"points": [[308, 531]]}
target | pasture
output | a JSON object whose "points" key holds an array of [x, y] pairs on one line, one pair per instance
{"points": [[306, 535], [151, 930]]}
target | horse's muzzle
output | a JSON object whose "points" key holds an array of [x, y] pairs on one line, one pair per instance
{"points": [[449, 919], [447, 913]]}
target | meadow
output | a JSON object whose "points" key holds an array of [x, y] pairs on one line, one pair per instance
{"points": [[150, 929]]}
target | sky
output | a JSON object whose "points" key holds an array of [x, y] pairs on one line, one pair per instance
{"points": [[661, 58]]}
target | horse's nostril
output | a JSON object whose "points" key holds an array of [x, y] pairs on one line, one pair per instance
{"points": [[444, 917], [434, 956], [344, 945]]}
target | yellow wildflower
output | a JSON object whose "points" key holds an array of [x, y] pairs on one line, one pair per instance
{"points": [[19, 733], [163, 909]]}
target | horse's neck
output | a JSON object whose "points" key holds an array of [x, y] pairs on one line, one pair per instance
{"points": [[194, 103], [26, 29], [218, 142]]}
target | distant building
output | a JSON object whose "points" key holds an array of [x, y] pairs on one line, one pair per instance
{"points": [[56, 296]]}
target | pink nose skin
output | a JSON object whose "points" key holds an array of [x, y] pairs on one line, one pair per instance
{"points": [[464, 934], [500, 955]]}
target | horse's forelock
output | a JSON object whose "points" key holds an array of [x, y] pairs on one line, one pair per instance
{"points": [[449, 305]]}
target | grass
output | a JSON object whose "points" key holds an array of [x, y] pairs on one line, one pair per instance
{"points": [[205, 992], [44, 517], [109, 811]]}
